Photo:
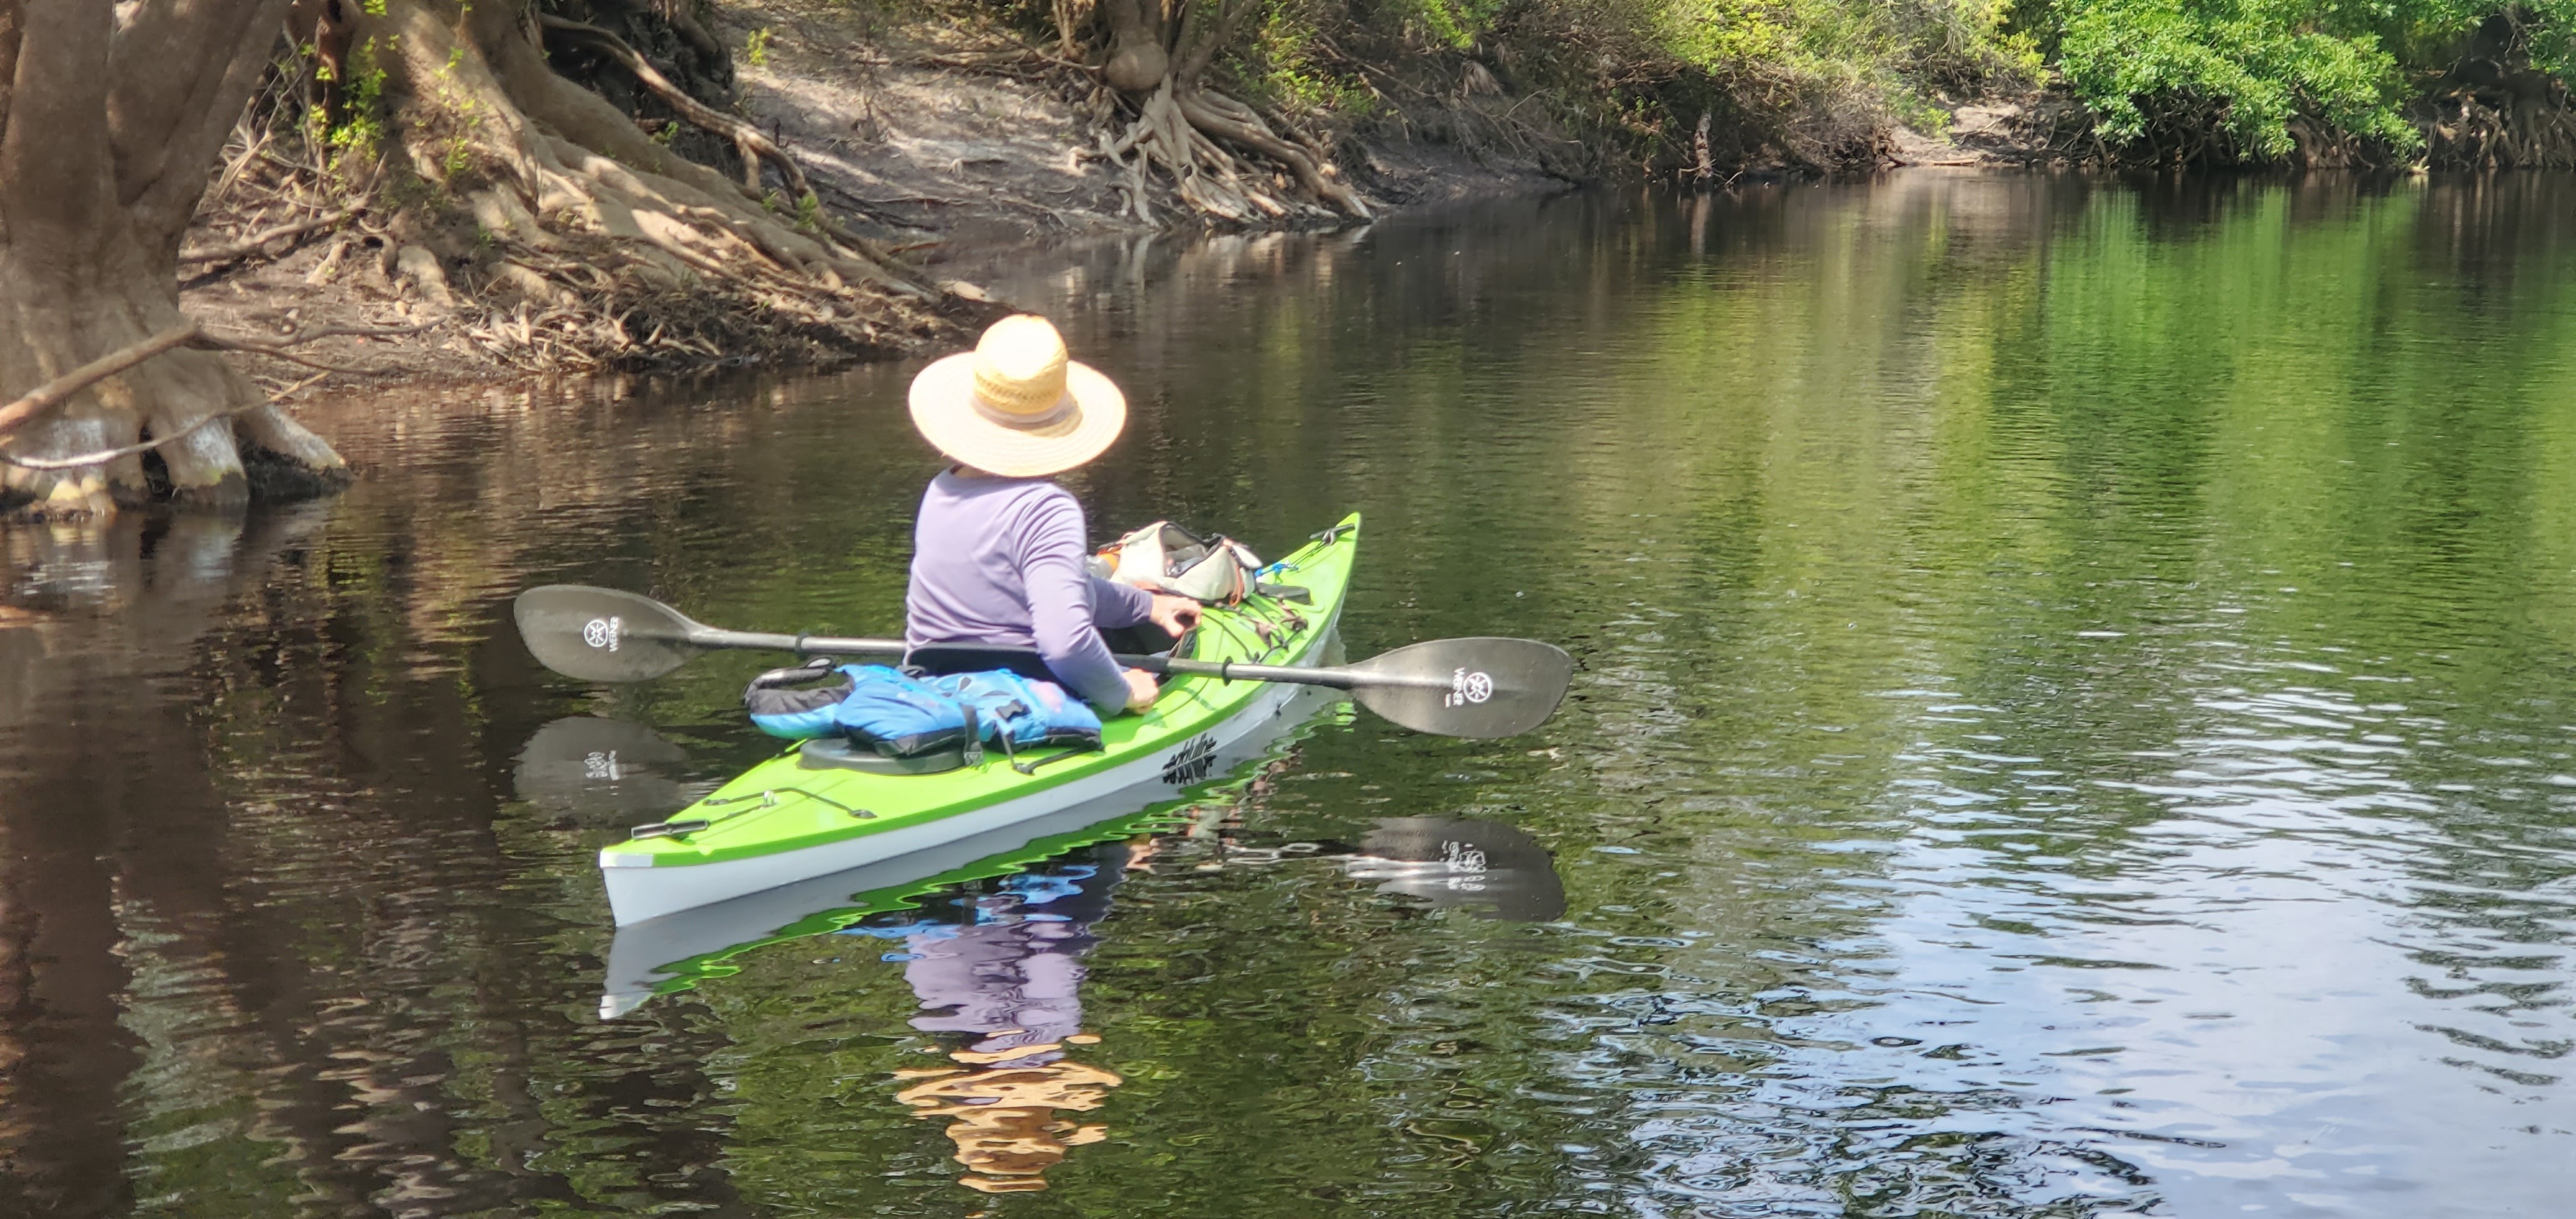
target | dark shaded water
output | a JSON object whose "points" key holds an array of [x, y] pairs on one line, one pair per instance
{"points": [[2075, 718]]}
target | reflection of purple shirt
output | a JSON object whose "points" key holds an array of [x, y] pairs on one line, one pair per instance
{"points": [[1017, 984], [1000, 561]]}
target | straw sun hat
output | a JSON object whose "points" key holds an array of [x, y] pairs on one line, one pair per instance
{"points": [[1016, 406]]}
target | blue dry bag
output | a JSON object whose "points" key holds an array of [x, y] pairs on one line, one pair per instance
{"points": [[898, 713], [901, 715], [1016, 712]]}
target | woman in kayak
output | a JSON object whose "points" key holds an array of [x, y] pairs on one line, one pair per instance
{"points": [[998, 549]]}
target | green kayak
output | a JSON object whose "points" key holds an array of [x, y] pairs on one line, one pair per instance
{"points": [[814, 810]]}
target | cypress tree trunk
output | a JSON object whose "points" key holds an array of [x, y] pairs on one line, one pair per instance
{"points": [[109, 126]]}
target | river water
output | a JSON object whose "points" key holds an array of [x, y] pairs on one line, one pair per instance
{"points": [[2074, 717]]}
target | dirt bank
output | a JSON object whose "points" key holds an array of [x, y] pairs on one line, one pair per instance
{"points": [[949, 146], [929, 134]]}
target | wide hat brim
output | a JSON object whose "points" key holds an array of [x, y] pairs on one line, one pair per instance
{"points": [[945, 412]]}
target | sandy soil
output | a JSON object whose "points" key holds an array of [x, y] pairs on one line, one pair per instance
{"points": [[2009, 132]]}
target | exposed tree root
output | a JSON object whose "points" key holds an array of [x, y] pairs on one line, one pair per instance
{"points": [[754, 147], [1222, 158], [1176, 132], [2524, 123], [1215, 114], [540, 223]]}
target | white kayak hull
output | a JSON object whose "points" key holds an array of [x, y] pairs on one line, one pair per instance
{"points": [[638, 892]]}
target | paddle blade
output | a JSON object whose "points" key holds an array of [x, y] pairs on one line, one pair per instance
{"points": [[601, 634], [1479, 687]]}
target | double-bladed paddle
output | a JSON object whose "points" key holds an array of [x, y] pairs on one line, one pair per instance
{"points": [[1477, 687]]}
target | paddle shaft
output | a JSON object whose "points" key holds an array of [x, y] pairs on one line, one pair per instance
{"points": [[1224, 670], [1477, 687]]}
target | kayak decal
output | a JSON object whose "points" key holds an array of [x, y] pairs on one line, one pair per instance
{"points": [[1466, 687], [603, 632], [1190, 763]]}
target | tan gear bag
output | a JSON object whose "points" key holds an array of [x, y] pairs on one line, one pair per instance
{"points": [[1214, 570]]}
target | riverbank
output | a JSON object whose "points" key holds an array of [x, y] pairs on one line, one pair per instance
{"points": [[936, 140], [943, 144]]}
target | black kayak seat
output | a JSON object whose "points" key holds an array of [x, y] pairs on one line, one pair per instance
{"points": [[841, 753], [939, 659], [936, 659]]}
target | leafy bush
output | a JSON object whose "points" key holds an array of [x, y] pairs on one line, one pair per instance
{"points": [[2231, 80], [2238, 71]]}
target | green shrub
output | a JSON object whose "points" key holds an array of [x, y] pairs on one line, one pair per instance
{"points": [[2236, 70]]}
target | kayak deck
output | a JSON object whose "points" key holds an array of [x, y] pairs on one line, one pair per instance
{"points": [[761, 828]]}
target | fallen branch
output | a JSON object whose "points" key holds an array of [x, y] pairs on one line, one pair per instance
{"points": [[277, 351], [253, 243], [35, 402], [104, 456], [747, 139], [191, 333], [308, 335]]}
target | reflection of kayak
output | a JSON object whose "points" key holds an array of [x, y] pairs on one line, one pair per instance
{"points": [[1484, 866], [676, 951], [813, 810]]}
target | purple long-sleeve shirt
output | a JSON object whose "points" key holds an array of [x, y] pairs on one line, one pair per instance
{"points": [[1000, 561]]}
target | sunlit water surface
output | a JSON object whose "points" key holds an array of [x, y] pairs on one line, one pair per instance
{"points": [[2074, 718]]}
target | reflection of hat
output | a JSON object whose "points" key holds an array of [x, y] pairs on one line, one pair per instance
{"points": [[1462, 861], [1016, 406], [1005, 1119]]}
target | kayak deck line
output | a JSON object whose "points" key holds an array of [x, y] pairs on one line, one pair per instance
{"points": [[783, 821]]}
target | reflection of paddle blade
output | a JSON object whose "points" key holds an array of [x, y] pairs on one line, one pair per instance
{"points": [[1484, 866], [602, 772]]}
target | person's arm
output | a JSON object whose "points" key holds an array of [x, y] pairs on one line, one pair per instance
{"points": [[1060, 605], [1114, 605]]}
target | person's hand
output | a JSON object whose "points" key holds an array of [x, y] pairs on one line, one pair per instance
{"points": [[1175, 614], [1140, 689]]}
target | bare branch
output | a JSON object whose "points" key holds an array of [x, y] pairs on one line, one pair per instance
{"points": [[192, 333], [47, 396], [253, 243], [104, 456], [309, 334], [278, 351]]}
